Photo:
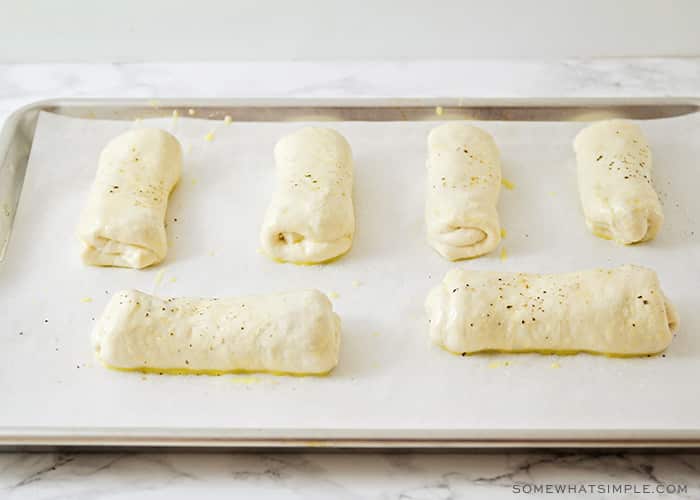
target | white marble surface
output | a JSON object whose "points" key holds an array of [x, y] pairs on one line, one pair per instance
{"points": [[337, 476], [347, 475], [21, 84]]}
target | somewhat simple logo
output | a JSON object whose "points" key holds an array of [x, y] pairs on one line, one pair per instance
{"points": [[599, 489]]}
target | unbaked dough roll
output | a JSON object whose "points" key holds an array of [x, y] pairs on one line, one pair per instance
{"points": [[123, 223], [464, 182], [296, 333], [614, 179], [311, 217], [618, 311]]}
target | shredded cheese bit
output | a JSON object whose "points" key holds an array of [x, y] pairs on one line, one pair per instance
{"points": [[194, 182], [375, 334], [154, 103], [159, 276], [228, 120], [173, 279], [498, 364], [333, 295], [552, 193], [503, 233], [209, 137], [356, 283], [504, 253], [190, 112], [86, 299], [439, 110], [507, 184], [245, 380], [175, 114], [555, 365]]}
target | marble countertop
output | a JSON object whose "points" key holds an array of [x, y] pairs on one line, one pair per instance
{"points": [[351, 475], [411, 476]]}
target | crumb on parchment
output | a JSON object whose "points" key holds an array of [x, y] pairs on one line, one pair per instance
{"points": [[245, 380], [159, 276], [498, 364]]}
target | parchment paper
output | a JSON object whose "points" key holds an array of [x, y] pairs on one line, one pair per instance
{"points": [[389, 375]]}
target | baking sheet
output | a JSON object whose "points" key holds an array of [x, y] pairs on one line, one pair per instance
{"points": [[389, 376]]}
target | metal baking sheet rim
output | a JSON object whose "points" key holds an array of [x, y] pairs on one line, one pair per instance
{"points": [[28, 438]]}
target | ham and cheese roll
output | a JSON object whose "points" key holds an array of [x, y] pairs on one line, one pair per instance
{"points": [[123, 222], [618, 311], [614, 179], [311, 217], [296, 333], [464, 182]]}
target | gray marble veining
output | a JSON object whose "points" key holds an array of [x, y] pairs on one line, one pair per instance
{"points": [[348, 475], [338, 476]]}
